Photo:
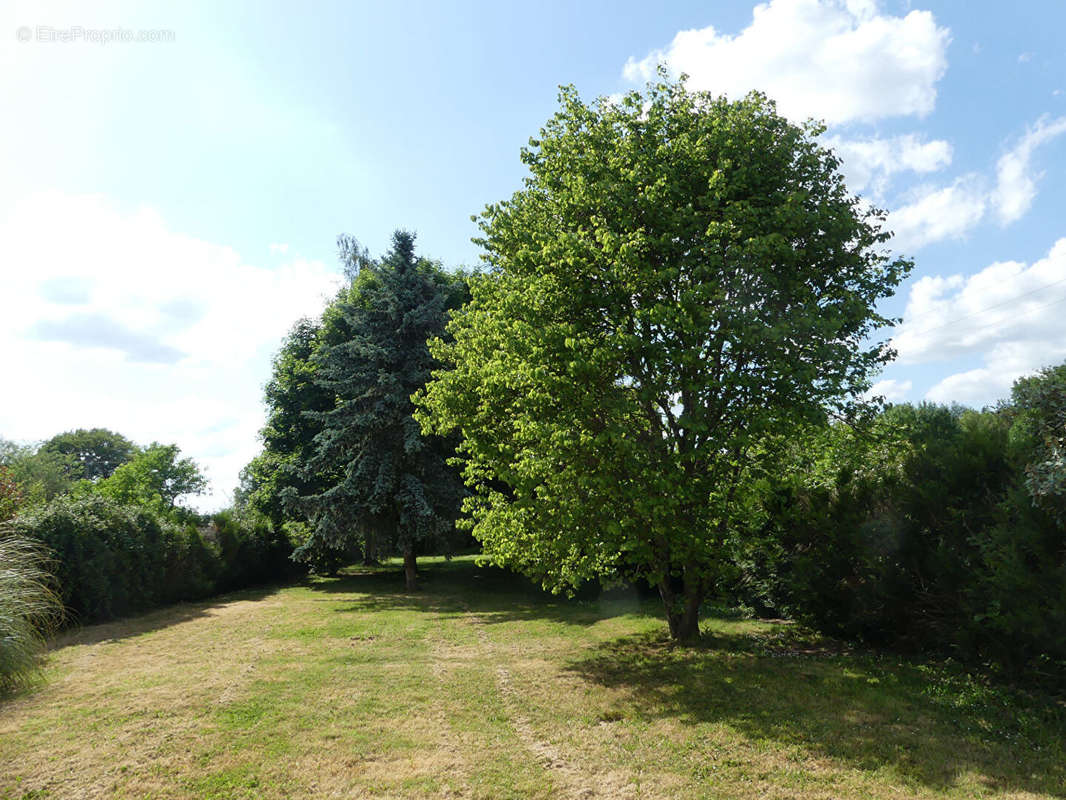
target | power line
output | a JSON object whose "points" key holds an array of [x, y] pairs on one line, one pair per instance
{"points": [[995, 306]]}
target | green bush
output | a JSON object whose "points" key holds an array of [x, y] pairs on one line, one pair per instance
{"points": [[29, 607], [916, 532], [251, 551], [113, 559], [1018, 596], [11, 495]]}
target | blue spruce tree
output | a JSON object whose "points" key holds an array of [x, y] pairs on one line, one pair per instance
{"points": [[391, 486]]}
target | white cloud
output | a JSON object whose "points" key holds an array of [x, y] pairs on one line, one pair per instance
{"points": [[1004, 364], [846, 61], [933, 213], [1016, 183], [1010, 314], [281, 248], [837, 61], [112, 319], [894, 391], [868, 164]]}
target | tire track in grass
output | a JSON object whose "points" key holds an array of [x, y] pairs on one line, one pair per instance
{"points": [[573, 782], [453, 760], [244, 677]]}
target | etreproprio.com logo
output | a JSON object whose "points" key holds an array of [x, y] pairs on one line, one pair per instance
{"points": [[48, 34]]}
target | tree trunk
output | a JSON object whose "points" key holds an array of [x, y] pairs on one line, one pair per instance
{"points": [[410, 575], [682, 610], [368, 551]]}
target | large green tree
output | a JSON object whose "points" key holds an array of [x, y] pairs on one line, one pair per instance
{"points": [[273, 482], [680, 278], [98, 451], [39, 473], [388, 483], [277, 474], [155, 478]]}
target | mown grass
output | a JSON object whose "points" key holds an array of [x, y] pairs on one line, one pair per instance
{"points": [[482, 687]]}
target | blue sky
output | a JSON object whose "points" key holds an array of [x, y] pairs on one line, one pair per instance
{"points": [[169, 208]]}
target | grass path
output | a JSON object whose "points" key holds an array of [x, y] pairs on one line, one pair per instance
{"points": [[480, 687]]}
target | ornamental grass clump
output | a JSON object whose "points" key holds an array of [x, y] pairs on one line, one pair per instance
{"points": [[29, 608]]}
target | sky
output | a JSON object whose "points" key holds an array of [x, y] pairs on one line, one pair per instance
{"points": [[173, 176]]}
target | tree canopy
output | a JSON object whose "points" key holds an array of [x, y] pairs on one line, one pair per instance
{"points": [[681, 278], [156, 478], [39, 474], [278, 475], [1041, 403], [98, 451]]}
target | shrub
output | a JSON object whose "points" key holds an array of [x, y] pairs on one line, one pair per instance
{"points": [[110, 558], [29, 607], [917, 532], [114, 559], [251, 551], [1017, 598], [11, 494]]}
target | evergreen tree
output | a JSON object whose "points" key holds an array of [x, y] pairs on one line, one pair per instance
{"points": [[277, 475], [391, 486]]}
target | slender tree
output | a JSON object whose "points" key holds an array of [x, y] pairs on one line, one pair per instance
{"points": [[390, 483], [681, 278]]}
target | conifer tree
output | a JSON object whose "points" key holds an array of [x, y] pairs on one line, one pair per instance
{"points": [[276, 476], [392, 486]]}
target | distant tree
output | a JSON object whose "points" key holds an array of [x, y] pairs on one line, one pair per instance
{"points": [[40, 474], [1040, 404], [681, 279], [388, 483], [156, 478], [98, 451], [9, 451], [11, 494]]}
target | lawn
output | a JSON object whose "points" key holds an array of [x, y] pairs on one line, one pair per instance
{"points": [[481, 687]]}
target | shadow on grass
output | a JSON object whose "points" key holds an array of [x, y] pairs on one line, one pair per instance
{"points": [[154, 620], [928, 723], [461, 586]]}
